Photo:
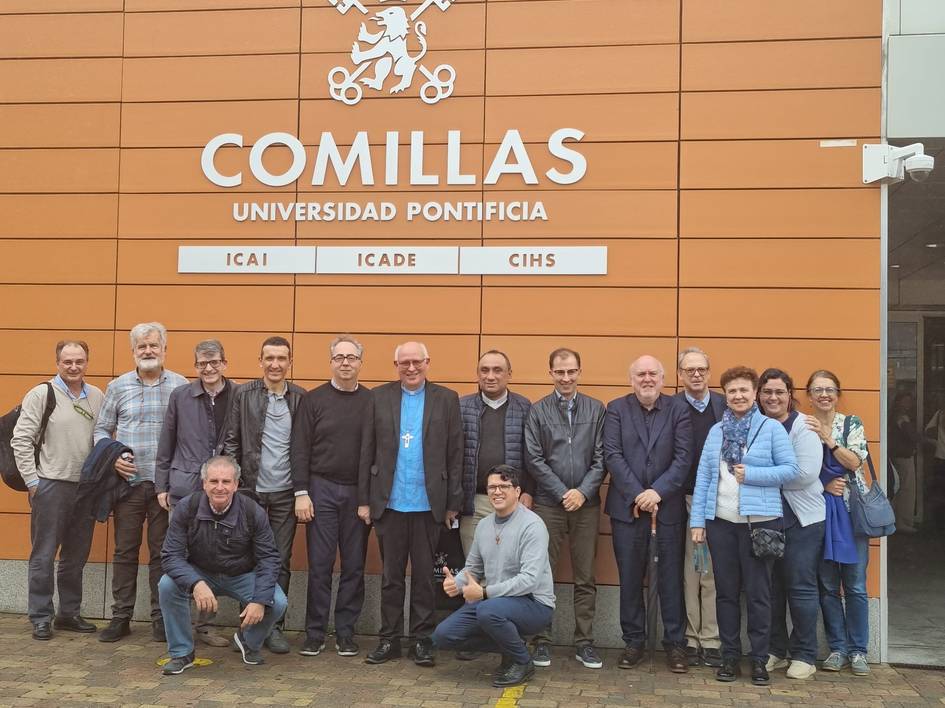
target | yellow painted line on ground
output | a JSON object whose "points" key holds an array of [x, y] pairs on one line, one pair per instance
{"points": [[510, 697], [197, 662]]}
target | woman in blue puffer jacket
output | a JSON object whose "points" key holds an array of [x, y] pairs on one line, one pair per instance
{"points": [[746, 458]]}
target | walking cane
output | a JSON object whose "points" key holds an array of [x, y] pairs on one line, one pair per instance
{"points": [[652, 586]]}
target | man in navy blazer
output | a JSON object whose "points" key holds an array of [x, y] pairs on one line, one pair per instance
{"points": [[647, 449]]}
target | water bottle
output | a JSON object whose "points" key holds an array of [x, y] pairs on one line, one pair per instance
{"points": [[134, 480], [700, 558]]}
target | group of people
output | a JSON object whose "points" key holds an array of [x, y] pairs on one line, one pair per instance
{"points": [[220, 473]]}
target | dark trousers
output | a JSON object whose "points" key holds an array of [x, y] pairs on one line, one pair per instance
{"points": [[401, 536], [735, 570], [57, 525], [794, 584], [497, 624], [131, 513], [336, 527], [632, 551], [280, 508]]}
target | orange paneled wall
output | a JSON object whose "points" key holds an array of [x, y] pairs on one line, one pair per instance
{"points": [[730, 223]]}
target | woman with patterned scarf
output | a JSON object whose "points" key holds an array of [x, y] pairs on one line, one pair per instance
{"points": [[746, 458]]}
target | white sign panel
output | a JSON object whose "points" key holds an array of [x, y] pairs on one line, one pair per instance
{"points": [[530, 260], [246, 259], [388, 259]]}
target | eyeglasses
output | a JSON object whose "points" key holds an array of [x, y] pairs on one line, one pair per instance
{"points": [[779, 392], [411, 363], [213, 364], [493, 488], [561, 373], [695, 370], [342, 358], [824, 390]]}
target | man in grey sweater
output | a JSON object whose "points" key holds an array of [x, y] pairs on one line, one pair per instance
{"points": [[507, 583]]}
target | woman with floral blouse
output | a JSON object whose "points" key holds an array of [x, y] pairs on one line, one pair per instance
{"points": [[846, 611]]}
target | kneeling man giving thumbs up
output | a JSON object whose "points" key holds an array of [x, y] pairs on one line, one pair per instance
{"points": [[507, 583]]}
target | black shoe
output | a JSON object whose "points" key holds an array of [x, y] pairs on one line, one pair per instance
{"points": [[178, 665], [250, 656], [541, 654], [346, 646], [514, 675], [277, 643], [503, 666], [312, 647], [157, 631], [385, 651], [115, 630], [712, 657], [467, 655], [74, 624], [631, 657], [730, 670], [694, 656], [42, 631], [422, 653], [677, 660], [759, 674]]}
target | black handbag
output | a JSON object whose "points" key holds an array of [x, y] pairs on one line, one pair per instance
{"points": [[767, 543]]}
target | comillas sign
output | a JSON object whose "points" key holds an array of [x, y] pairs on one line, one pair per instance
{"points": [[387, 58]]}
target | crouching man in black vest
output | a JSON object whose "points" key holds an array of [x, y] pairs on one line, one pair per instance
{"points": [[219, 543]]}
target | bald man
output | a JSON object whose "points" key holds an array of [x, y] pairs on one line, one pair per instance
{"points": [[647, 446], [410, 486]]}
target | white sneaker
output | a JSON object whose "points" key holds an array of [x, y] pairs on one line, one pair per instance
{"points": [[775, 663], [801, 670]]}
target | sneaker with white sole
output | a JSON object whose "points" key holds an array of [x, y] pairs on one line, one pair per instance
{"points": [[858, 665], [541, 654], [801, 670], [776, 662], [834, 662], [587, 655]]}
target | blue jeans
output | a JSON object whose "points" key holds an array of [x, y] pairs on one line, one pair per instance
{"points": [[846, 618], [794, 585], [175, 605], [496, 624]]}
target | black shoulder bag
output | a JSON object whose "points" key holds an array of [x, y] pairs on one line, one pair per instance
{"points": [[765, 543]]}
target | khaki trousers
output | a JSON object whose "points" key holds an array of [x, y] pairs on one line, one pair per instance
{"points": [[468, 524], [702, 627], [581, 528]]}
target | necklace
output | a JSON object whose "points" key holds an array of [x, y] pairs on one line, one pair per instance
{"points": [[497, 531]]}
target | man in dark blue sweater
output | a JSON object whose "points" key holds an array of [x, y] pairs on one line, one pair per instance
{"points": [[326, 452]]}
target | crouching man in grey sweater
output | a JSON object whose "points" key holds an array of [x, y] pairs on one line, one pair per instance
{"points": [[507, 583]]}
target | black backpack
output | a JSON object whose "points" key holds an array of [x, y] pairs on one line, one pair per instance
{"points": [[8, 468]]}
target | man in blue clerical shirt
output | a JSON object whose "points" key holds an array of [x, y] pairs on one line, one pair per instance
{"points": [[409, 484]]}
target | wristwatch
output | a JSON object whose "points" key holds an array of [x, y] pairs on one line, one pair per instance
{"points": [[835, 446]]}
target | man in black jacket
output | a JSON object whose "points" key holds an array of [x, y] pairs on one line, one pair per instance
{"points": [[409, 483], [219, 543], [258, 437]]}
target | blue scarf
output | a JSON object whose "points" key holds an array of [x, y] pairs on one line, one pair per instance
{"points": [[735, 436]]}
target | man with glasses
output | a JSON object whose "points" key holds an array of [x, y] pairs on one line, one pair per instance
{"points": [[194, 426], [705, 410], [133, 413], [50, 462], [565, 455], [410, 482], [258, 437], [326, 448], [647, 445], [507, 583]]}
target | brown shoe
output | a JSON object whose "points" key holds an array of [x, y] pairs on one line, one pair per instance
{"points": [[631, 657], [677, 660], [211, 638]]}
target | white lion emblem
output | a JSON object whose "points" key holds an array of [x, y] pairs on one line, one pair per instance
{"points": [[387, 50]]}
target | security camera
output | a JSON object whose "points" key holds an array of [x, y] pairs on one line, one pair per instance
{"points": [[919, 167], [887, 164]]}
